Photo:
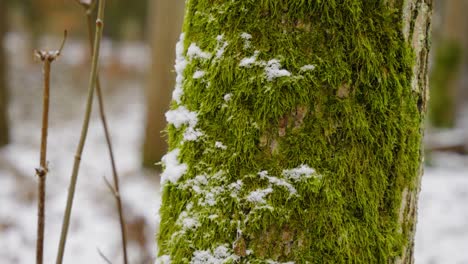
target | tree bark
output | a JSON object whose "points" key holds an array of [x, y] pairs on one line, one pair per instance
{"points": [[4, 130], [295, 132], [165, 25]]}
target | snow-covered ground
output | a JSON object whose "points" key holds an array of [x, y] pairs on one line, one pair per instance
{"points": [[442, 230], [442, 233]]}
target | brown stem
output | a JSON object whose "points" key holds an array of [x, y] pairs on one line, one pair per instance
{"points": [[42, 171], [47, 58], [102, 115]]}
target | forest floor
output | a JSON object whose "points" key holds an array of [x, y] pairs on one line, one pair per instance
{"points": [[442, 232]]}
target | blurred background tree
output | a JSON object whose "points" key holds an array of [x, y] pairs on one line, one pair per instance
{"points": [[164, 27], [123, 20], [127, 21], [450, 63], [4, 131]]}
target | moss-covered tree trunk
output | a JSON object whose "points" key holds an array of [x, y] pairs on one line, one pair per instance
{"points": [[164, 26], [295, 132], [4, 135]]}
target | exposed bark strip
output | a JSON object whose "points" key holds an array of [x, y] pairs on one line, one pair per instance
{"points": [[420, 43]]}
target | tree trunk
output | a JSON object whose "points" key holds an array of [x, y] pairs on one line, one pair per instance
{"points": [[4, 134], [295, 132], [165, 25]]}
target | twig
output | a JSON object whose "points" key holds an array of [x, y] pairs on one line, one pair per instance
{"points": [[47, 57], [84, 131], [116, 189], [103, 256]]}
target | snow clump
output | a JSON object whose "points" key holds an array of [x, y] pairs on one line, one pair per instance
{"points": [[173, 169], [198, 74], [259, 196], [278, 182], [220, 145], [221, 46], [180, 65], [181, 116], [227, 97], [250, 61], [276, 262], [164, 259], [196, 52], [192, 134], [273, 71], [299, 173], [247, 37], [220, 255], [308, 67]]}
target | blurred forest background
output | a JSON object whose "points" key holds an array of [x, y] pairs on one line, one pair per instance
{"points": [[137, 77]]}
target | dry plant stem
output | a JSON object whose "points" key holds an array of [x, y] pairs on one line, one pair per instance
{"points": [[102, 114], [47, 58], [84, 132], [103, 256], [42, 171]]}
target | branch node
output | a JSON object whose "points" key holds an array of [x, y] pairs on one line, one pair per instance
{"points": [[41, 172]]}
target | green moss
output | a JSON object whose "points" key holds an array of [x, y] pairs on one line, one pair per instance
{"points": [[354, 119]]}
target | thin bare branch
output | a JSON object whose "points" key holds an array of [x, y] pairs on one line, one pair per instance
{"points": [[100, 97], [47, 57], [84, 131], [103, 256], [65, 34], [111, 188]]}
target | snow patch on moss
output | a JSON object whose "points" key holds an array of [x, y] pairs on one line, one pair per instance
{"points": [[272, 67], [198, 74], [247, 37], [308, 67], [219, 255], [220, 145], [258, 196], [205, 188], [196, 52], [250, 61], [180, 65], [181, 116], [165, 259], [273, 70], [235, 188], [173, 169], [222, 45], [227, 97], [277, 262], [192, 134], [300, 173], [278, 182]]}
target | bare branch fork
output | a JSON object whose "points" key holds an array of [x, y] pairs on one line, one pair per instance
{"points": [[84, 131], [88, 7], [47, 57]]}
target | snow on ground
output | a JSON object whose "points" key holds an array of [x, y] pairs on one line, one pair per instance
{"points": [[94, 221], [442, 232]]}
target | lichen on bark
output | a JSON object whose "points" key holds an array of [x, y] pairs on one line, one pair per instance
{"points": [[300, 139]]}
